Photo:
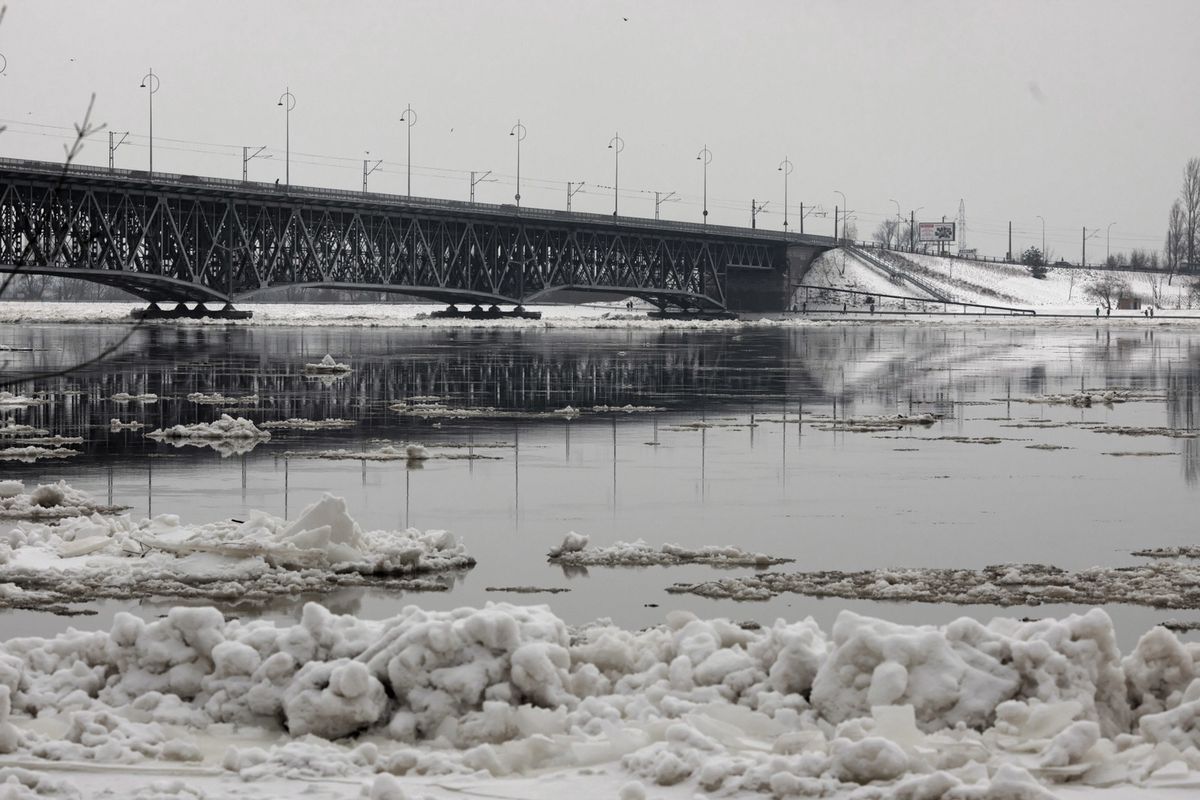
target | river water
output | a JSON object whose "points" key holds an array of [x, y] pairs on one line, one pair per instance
{"points": [[748, 476]]}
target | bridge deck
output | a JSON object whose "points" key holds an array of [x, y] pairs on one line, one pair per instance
{"points": [[230, 238]]}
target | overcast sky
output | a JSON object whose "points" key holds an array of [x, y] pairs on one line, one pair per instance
{"points": [[1083, 112]]}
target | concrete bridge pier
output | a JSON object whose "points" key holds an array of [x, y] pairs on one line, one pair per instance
{"points": [[760, 288]]}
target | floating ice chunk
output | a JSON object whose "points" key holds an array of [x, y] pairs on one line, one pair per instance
{"points": [[218, 399], [19, 400], [33, 453], [295, 423], [327, 365], [226, 427], [573, 543], [639, 553], [124, 397]]}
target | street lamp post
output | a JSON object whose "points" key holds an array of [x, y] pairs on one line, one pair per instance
{"points": [[1107, 233], [287, 132], [705, 156], [150, 81], [247, 157], [616, 144], [409, 117], [845, 213], [518, 131], [785, 167]]}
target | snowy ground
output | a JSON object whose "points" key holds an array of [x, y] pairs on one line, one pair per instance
{"points": [[856, 276], [1061, 291], [507, 701]]}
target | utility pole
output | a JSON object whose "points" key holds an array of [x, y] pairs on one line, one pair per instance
{"points": [[754, 209], [478, 180], [1010, 258], [112, 148], [802, 218], [368, 168], [912, 231], [1083, 255], [246, 158], [571, 191], [659, 199], [835, 224]]}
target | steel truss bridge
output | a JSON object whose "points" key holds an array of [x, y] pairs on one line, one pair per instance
{"points": [[185, 238]]}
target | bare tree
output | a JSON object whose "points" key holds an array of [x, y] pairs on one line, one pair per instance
{"points": [[1190, 195], [1175, 249], [887, 233], [1106, 290]]}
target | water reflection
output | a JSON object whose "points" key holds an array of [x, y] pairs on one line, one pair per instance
{"points": [[725, 464]]}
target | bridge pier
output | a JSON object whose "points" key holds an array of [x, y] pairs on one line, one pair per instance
{"points": [[760, 288]]}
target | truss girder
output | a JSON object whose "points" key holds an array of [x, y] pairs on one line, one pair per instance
{"points": [[231, 245]]}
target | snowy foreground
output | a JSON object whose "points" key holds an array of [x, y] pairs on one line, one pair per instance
{"points": [[508, 701]]}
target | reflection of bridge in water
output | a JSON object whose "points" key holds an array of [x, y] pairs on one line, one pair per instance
{"points": [[867, 369]]}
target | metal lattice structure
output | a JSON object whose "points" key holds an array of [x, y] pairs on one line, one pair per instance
{"points": [[170, 237]]}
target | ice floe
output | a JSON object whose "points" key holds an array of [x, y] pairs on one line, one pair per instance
{"points": [[47, 501], [218, 399], [115, 425], [84, 557], [410, 452], [1163, 584], [12, 429], [228, 435], [298, 424], [124, 397], [34, 453], [575, 551], [328, 366], [10, 400]]}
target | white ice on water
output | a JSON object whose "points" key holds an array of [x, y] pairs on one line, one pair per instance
{"points": [[328, 365], [83, 557], [575, 551]]}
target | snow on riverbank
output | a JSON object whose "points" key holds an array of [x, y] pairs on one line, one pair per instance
{"points": [[496, 697], [575, 552], [556, 317], [84, 557]]}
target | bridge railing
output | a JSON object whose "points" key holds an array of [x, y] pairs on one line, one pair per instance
{"points": [[433, 203]]}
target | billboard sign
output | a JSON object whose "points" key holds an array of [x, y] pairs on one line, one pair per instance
{"points": [[935, 231]]}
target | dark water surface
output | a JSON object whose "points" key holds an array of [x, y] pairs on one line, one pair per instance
{"points": [[832, 500]]}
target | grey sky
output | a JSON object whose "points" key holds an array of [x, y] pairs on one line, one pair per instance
{"points": [[1083, 112]]}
